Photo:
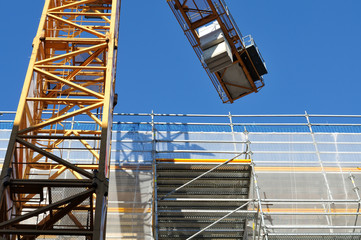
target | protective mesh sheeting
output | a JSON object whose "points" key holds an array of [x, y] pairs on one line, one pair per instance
{"points": [[305, 178], [129, 204], [328, 149], [309, 178], [4, 140], [131, 148], [62, 237], [136, 147], [199, 145]]}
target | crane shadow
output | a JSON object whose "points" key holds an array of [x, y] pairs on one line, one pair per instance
{"points": [[131, 183]]}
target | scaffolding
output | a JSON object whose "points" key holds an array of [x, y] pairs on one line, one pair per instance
{"points": [[306, 169]]}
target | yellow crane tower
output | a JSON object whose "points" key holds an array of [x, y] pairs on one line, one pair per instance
{"points": [[70, 78]]}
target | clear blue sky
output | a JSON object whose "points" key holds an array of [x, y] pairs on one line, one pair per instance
{"points": [[312, 50]]}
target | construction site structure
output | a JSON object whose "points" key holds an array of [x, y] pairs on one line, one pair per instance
{"points": [[45, 190], [71, 76], [198, 176], [232, 62]]}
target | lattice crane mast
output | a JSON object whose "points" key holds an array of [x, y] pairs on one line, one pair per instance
{"points": [[45, 190], [71, 77]]}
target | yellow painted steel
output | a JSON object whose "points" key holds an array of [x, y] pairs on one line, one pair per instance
{"points": [[70, 78], [186, 160], [304, 169]]}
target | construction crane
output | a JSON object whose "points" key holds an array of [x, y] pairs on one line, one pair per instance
{"points": [[232, 62], [70, 78]]}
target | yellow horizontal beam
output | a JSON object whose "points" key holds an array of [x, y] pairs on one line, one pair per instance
{"points": [[131, 167], [71, 54], [66, 100], [82, 13], [90, 166], [278, 210], [92, 41], [61, 131], [202, 160], [309, 210], [304, 169], [129, 210], [70, 5], [259, 169], [271, 210], [72, 67]]}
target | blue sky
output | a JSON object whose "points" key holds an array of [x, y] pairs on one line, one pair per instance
{"points": [[312, 51]]}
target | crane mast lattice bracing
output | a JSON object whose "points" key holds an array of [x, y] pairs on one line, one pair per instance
{"points": [[70, 78]]}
